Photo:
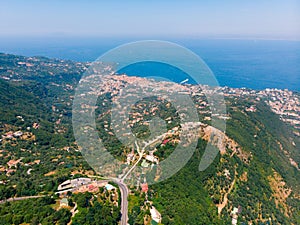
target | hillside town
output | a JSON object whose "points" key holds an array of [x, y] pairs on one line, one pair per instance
{"points": [[131, 98]]}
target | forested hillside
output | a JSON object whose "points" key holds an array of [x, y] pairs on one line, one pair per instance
{"points": [[257, 173]]}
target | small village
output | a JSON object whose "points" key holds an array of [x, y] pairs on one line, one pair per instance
{"points": [[285, 103]]}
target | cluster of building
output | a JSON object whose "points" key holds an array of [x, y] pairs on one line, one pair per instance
{"points": [[285, 103], [12, 166], [11, 135], [83, 184], [23, 135]]}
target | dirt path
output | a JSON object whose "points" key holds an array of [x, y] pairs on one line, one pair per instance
{"points": [[73, 211], [222, 205]]}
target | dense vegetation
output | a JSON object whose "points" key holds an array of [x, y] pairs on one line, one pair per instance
{"points": [[41, 93], [33, 211], [94, 212]]}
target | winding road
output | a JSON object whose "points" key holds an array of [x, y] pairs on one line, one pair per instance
{"points": [[124, 196], [122, 185], [124, 201]]}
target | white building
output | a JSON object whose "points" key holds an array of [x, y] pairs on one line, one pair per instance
{"points": [[73, 183], [234, 215], [155, 215]]}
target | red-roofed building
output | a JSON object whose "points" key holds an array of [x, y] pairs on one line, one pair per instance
{"points": [[12, 162], [93, 188], [35, 125], [144, 187], [165, 141]]}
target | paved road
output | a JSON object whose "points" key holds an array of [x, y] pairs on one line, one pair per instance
{"points": [[141, 153], [122, 185], [124, 196], [124, 201], [21, 198]]}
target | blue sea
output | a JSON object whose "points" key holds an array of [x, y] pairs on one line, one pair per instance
{"points": [[255, 64]]}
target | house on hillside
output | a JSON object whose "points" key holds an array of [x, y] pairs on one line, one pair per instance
{"points": [[155, 215], [234, 214], [64, 202], [109, 187], [68, 184], [14, 163], [151, 158], [144, 187]]}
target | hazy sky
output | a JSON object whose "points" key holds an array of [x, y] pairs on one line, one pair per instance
{"points": [[268, 19]]}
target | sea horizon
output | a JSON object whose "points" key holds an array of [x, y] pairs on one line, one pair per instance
{"points": [[238, 63]]}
